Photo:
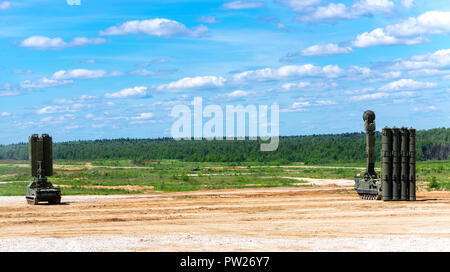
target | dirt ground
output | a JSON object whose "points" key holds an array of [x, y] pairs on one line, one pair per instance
{"points": [[326, 218]]}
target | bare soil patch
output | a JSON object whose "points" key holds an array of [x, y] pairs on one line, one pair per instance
{"points": [[327, 218]]}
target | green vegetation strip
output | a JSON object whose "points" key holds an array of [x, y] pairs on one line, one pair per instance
{"points": [[174, 176]]}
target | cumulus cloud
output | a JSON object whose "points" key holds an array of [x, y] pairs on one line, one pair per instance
{"points": [[338, 11], [44, 43], [301, 104], [407, 84], [242, 5], [295, 86], [438, 59], [238, 94], [44, 83], [380, 95], [83, 74], [378, 37], [5, 5], [159, 27], [138, 91], [64, 77], [326, 50], [410, 31], [289, 71], [59, 109], [199, 82], [5, 113]]}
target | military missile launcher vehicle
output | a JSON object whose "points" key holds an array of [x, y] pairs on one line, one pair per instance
{"points": [[40, 189], [398, 164]]}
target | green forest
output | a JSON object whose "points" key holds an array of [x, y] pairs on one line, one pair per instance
{"points": [[432, 144]]}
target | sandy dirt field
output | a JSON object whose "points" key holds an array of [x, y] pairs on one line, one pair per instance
{"points": [[326, 218]]}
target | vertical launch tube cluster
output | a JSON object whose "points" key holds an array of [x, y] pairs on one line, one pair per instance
{"points": [[40, 152], [398, 164]]}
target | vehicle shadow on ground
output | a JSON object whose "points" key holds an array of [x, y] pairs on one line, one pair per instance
{"points": [[427, 199], [48, 204]]}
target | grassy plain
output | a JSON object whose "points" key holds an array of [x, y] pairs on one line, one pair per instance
{"points": [[125, 177]]}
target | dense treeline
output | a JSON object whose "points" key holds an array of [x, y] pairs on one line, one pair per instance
{"points": [[433, 144]]}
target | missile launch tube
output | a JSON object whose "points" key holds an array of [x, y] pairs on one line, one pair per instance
{"points": [[396, 164], [48, 156], [404, 194], [412, 164], [386, 167], [32, 154]]}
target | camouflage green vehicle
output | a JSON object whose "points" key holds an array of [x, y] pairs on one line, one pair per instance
{"points": [[40, 189], [398, 164]]}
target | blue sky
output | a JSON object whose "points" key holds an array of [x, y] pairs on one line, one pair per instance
{"points": [[108, 69]]}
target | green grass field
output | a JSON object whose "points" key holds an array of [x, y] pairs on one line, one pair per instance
{"points": [[78, 177]]}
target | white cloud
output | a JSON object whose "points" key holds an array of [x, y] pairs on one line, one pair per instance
{"points": [[288, 71], [138, 91], [425, 109], [143, 116], [53, 109], [72, 127], [438, 59], [43, 43], [407, 3], [299, 5], [5, 5], [325, 102], [337, 11], [369, 96], [5, 90], [76, 107], [301, 104], [428, 72], [8, 93], [295, 86], [73, 2], [378, 37], [159, 27], [380, 95], [242, 5], [325, 50], [199, 82], [145, 72], [408, 32], [64, 77], [5, 113], [79, 74], [44, 83], [407, 84], [22, 72], [238, 94], [208, 19]]}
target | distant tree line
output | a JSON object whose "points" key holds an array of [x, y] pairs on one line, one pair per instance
{"points": [[433, 144]]}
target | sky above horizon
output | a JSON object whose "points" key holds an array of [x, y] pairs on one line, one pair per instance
{"points": [[80, 69]]}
